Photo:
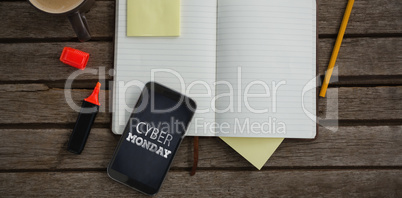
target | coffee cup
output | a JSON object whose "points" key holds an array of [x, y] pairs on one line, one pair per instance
{"points": [[74, 9]]}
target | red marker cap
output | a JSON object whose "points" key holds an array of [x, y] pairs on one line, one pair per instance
{"points": [[94, 97], [74, 57]]}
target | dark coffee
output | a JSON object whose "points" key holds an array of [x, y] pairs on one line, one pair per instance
{"points": [[56, 6]]}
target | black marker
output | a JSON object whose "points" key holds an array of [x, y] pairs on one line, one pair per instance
{"points": [[83, 125]]}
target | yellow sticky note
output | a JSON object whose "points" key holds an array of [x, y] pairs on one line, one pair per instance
{"points": [[153, 17], [255, 150]]}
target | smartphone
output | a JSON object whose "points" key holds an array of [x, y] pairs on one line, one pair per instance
{"points": [[151, 138]]}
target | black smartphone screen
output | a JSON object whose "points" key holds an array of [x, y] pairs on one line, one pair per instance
{"points": [[151, 138]]}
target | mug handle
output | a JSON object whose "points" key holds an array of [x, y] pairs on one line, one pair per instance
{"points": [[80, 26]]}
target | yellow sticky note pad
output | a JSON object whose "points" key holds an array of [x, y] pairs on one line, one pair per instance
{"points": [[153, 17], [255, 150]]}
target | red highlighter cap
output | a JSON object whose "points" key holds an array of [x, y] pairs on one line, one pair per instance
{"points": [[74, 57], [94, 97]]}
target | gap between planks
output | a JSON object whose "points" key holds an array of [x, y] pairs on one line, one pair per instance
{"points": [[209, 169], [344, 81], [100, 39]]}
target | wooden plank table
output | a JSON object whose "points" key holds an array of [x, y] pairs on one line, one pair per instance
{"points": [[363, 158]]}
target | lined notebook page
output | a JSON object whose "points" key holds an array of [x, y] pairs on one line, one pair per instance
{"points": [[261, 42], [177, 62]]}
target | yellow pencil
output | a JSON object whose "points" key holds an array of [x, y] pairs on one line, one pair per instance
{"points": [[335, 51]]}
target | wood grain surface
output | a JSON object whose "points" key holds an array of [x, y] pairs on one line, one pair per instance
{"points": [[372, 57], [44, 65], [54, 105], [368, 17], [352, 146], [217, 183]]}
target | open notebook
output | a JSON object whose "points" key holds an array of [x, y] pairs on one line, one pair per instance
{"points": [[249, 65]]}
